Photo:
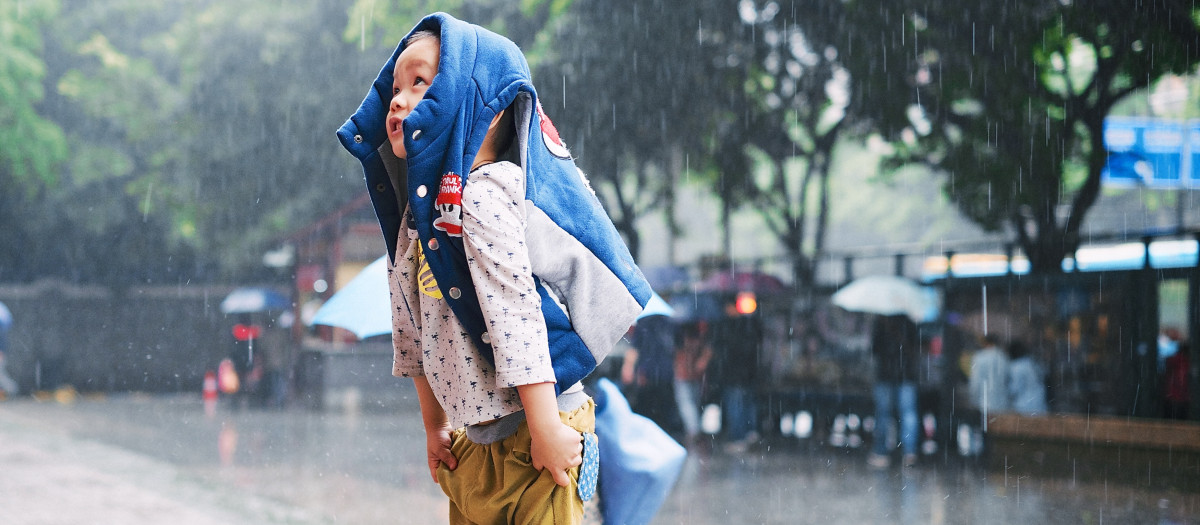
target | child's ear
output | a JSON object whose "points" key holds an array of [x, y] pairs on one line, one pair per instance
{"points": [[496, 121]]}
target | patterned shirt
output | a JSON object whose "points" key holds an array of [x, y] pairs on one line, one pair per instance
{"points": [[428, 338]]}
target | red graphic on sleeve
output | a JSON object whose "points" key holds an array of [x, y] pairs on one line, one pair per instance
{"points": [[550, 136], [449, 205]]}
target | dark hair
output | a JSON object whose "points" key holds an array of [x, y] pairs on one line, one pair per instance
{"points": [[421, 35], [506, 131], [1017, 350]]}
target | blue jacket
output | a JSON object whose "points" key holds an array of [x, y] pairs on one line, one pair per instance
{"points": [[580, 262]]}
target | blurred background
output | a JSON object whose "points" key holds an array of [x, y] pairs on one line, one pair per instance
{"points": [[175, 208]]}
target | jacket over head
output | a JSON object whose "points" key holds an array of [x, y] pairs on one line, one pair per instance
{"points": [[590, 288]]}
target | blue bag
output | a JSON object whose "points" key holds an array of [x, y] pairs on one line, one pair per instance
{"points": [[639, 462]]}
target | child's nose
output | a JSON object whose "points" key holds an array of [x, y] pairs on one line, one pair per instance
{"points": [[398, 102]]}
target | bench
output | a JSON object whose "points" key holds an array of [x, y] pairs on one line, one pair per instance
{"points": [[1146, 452]]}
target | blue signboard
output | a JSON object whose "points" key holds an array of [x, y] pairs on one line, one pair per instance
{"points": [[1192, 174], [1149, 152]]}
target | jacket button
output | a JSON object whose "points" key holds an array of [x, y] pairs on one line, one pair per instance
{"points": [[486, 338], [422, 191], [380, 187], [455, 293], [416, 134], [358, 139], [433, 244]]}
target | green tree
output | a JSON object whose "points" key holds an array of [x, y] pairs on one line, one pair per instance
{"points": [[199, 133], [1008, 99], [797, 99], [636, 88], [30, 144]]}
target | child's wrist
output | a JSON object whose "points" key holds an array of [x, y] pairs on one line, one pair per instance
{"points": [[540, 426]]}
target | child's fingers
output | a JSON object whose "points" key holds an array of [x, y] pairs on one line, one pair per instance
{"points": [[433, 466], [560, 477], [448, 458]]}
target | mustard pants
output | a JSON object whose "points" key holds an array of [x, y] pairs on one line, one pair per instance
{"points": [[496, 483]]}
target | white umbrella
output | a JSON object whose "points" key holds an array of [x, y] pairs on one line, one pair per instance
{"points": [[888, 295], [363, 306]]}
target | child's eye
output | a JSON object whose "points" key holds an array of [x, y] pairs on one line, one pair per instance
{"points": [[395, 91], [419, 81]]}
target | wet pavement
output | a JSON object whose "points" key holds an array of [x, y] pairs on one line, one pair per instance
{"points": [[138, 459]]}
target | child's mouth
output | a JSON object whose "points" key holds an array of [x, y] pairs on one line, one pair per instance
{"points": [[395, 125]]}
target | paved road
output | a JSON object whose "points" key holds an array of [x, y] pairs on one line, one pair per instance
{"points": [[136, 459]]}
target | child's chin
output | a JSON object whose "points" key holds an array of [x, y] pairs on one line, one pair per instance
{"points": [[399, 151]]}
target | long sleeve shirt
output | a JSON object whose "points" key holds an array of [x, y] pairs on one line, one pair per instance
{"points": [[427, 337]]}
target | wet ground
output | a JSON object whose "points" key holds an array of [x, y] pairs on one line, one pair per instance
{"points": [[138, 459]]}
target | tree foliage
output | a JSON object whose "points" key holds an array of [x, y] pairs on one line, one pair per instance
{"points": [[796, 109], [1008, 99], [30, 145], [196, 135], [641, 111]]}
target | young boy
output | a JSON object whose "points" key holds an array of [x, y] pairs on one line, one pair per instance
{"points": [[508, 281]]}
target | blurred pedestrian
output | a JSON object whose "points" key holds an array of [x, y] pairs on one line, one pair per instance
{"points": [[243, 353], [737, 340], [649, 370], [274, 348], [988, 381], [8, 387], [1026, 381], [692, 355], [895, 344], [1176, 401]]}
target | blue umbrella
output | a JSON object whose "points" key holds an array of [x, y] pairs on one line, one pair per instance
{"points": [[253, 299], [363, 306], [656, 306], [5, 317]]}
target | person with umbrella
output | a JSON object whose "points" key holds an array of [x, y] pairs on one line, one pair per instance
{"points": [[898, 304], [649, 369], [895, 344]]}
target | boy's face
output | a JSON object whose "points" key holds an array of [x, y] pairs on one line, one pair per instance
{"points": [[415, 68]]}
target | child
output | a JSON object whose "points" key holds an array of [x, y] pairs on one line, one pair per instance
{"points": [[508, 281]]}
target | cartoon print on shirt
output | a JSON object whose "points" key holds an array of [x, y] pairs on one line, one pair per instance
{"points": [[449, 205], [550, 136], [425, 281]]}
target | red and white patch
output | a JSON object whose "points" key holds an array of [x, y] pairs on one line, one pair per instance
{"points": [[449, 205], [550, 136]]}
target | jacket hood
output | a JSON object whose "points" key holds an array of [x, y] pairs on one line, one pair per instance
{"points": [[479, 74]]}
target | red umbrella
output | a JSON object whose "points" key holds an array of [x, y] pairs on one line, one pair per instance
{"points": [[757, 282]]}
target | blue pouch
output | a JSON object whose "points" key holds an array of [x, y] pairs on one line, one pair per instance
{"points": [[641, 461]]}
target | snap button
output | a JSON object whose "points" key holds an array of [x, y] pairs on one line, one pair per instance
{"points": [[416, 134], [358, 139], [486, 338], [380, 187], [455, 293], [422, 191], [433, 244]]}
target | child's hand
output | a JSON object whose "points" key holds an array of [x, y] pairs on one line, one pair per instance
{"points": [[557, 447], [437, 447]]}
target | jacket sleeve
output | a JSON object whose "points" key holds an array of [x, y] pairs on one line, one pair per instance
{"points": [[494, 225], [403, 278]]}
